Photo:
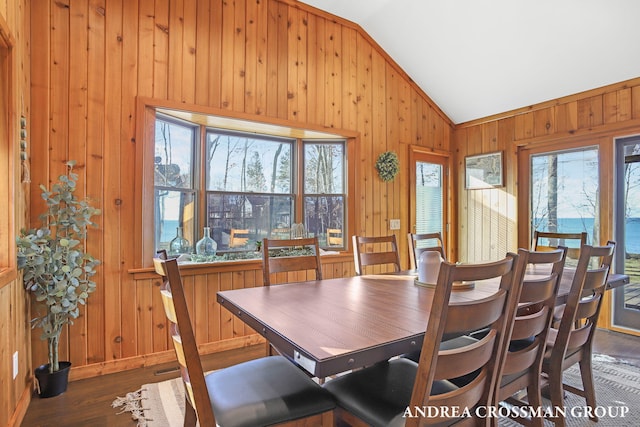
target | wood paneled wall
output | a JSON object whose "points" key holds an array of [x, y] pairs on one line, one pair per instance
{"points": [[268, 58], [14, 303], [487, 219]]}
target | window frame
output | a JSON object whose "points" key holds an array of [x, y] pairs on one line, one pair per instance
{"points": [[8, 138], [213, 117], [195, 184], [525, 152]]}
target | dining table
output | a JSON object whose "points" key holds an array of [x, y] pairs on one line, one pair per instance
{"points": [[335, 325]]}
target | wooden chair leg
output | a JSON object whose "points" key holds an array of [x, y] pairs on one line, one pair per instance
{"points": [[556, 393], [586, 372], [190, 416], [535, 401]]}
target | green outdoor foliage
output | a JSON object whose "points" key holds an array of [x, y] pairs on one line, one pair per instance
{"points": [[56, 268]]}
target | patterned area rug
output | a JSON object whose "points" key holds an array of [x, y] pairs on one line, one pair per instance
{"points": [[617, 391]]}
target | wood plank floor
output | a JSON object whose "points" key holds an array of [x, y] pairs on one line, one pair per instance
{"points": [[88, 402]]}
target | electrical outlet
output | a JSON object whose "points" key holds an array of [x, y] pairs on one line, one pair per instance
{"points": [[15, 365], [394, 224]]}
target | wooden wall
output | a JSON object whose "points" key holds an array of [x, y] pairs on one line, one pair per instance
{"points": [[264, 58], [14, 102], [488, 223]]}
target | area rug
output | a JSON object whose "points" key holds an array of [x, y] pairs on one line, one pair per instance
{"points": [[617, 392]]}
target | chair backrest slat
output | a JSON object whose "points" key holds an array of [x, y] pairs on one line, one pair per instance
{"points": [[379, 250], [276, 259], [416, 243]]}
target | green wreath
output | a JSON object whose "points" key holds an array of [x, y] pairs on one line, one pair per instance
{"points": [[388, 165]]}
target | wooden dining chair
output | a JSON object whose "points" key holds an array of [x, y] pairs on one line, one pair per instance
{"points": [[571, 342], [334, 237], [289, 255], [380, 395], [549, 241], [522, 360], [379, 251], [423, 242], [260, 392], [238, 237]]}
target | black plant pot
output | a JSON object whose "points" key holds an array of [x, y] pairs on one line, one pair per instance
{"points": [[52, 384]]}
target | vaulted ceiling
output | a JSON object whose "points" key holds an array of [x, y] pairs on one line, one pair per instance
{"points": [[478, 58]]}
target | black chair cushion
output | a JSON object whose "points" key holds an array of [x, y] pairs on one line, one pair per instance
{"points": [[457, 342], [264, 391], [380, 394]]}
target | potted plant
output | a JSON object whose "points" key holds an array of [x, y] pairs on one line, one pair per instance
{"points": [[57, 271]]}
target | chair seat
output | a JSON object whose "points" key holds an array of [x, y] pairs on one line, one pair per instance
{"points": [[457, 342], [263, 392], [380, 394]]}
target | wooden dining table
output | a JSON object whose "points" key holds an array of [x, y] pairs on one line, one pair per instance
{"points": [[335, 325]]}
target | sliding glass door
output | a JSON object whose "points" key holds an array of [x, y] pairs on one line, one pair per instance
{"points": [[626, 306]]}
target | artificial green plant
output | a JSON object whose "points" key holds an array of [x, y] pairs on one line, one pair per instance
{"points": [[56, 268]]}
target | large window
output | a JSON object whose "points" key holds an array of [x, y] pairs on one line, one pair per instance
{"points": [[175, 185], [565, 192], [245, 187]]}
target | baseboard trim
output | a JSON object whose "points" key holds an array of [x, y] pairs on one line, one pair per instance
{"points": [[119, 365]]}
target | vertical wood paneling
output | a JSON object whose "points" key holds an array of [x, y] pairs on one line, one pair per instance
{"points": [[297, 66], [567, 117], [333, 74], [281, 33], [261, 70], [635, 102], [189, 29], [40, 84], [78, 82], [202, 52], [262, 57], [374, 223], [160, 49], [117, 198], [251, 54], [365, 124], [59, 128], [349, 78], [238, 56], [609, 111], [215, 55], [177, 52], [107, 52]]}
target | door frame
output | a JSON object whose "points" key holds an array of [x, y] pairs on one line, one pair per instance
{"points": [[617, 297], [421, 154]]}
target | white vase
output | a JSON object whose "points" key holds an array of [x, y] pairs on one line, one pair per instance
{"points": [[429, 267]]}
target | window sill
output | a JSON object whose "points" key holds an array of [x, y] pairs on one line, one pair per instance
{"points": [[198, 268]]}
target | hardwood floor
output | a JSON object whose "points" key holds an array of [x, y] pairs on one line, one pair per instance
{"points": [[88, 402]]}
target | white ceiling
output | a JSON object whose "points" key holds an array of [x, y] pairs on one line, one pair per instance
{"points": [[476, 58]]}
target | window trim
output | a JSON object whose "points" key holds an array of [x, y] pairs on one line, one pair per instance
{"points": [[8, 161], [605, 156], [228, 120]]}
